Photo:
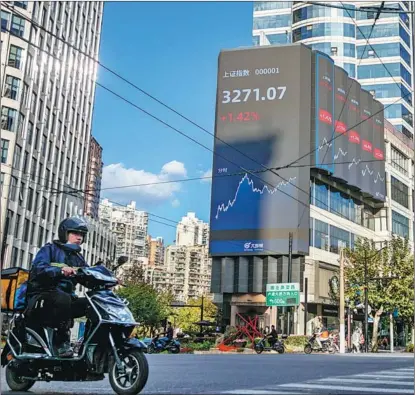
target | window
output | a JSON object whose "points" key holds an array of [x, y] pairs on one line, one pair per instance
{"points": [[17, 27], [13, 188], [25, 162], [33, 172], [40, 237], [5, 18], [400, 224], [272, 21], [350, 68], [30, 132], [399, 161], [324, 29], [11, 88], [44, 207], [17, 157], [339, 238], [9, 119], [379, 31], [13, 258], [26, 230], [30, 199], [399, 192], [4, 150], [339, 203], [2, 178], [321, 195], [321, 235], [343, 49], [379, 70], [15, 57], [265, 5], [387, 91]]}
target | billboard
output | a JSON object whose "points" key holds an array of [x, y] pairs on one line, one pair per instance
{"points": [[347, 129], [263, 112]]}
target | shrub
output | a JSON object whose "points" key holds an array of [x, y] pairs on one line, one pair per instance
{"points": [[205, 346], [296, 341], [409, 348]]}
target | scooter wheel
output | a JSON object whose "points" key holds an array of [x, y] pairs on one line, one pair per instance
{"points": [[308, 349], [151, 349], [15, 382], [259, 349], [175, 350], [135, 375], [281, 350]]}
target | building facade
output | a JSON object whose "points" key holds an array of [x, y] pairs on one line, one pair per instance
{"points": [[130, 227], [47, 100], [189, 269], [338, 217], [385, 68], [155, 248], [93, 179], [192, 231]]}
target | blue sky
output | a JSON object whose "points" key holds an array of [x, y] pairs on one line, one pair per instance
{"points": [[169, 50]]}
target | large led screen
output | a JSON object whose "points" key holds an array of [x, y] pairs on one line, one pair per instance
{"points": [[347, 129], [263, 116]]}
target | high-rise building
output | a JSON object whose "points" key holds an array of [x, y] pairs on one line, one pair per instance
{"points": [[342, 33], [47, 99], [93, 179], [130, 227], [192, 231], [190, 271], [155, 248]]}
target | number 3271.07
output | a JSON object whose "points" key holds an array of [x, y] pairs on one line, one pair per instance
{"points": [[243, 95]]}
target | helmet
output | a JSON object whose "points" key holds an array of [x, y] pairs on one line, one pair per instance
{"points": [[73, 224]]}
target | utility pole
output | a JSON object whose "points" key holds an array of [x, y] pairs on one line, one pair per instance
{"points": [[342, 328], [366, 305], [305, 305], [391, 331], [290, 269]]}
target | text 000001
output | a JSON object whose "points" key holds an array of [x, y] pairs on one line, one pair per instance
{"points": [[243, 95]]}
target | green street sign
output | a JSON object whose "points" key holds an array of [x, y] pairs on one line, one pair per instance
{"points": [[287, 294]]}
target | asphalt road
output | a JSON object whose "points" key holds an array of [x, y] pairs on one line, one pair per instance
{"points": [[259, 374]]}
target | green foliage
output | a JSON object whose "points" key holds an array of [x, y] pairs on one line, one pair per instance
{"points": [[148, 306], [205, 346], [409, 348], [296, 341], [185, 317], [384, 295]]}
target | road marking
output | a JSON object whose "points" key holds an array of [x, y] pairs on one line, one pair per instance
{"points": [[386, 376], [362, 381], [349, 389], [255, 392]]}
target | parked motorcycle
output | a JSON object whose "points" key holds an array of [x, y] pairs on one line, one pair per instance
{"points": [[30, 353], [278, 346], [158, 345], [326, 346]]}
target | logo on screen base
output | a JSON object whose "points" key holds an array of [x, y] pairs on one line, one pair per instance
{"points": [[249, 246]]}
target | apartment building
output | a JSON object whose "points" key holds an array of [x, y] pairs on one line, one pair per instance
{"points": [[130, 227], [192, 231], [93, 179], [190, 271]]}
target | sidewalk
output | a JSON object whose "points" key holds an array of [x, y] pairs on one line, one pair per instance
{"points": [[381, 354]]}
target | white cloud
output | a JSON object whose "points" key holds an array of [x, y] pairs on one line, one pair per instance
{"points": [[207, 173], [175, 203], [116, 174]]}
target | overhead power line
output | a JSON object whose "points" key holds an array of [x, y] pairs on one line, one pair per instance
{"points": [[385, 10]]}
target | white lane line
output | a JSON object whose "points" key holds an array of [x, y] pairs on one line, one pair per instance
{"points": [[385, 376], [255, 392], [362, 381], [349, 389]]}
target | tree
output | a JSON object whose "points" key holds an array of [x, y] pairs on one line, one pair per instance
{"points": [[185, 317], [390, 279], [149, 306], [133, 275]]}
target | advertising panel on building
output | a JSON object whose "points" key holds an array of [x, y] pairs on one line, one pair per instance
{"points": [[323, 71], [263, 116]]}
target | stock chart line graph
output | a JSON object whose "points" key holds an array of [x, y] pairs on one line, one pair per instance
{"points": [[222, 207]]}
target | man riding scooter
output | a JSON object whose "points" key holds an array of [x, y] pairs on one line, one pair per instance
{"points": [[50, 294]]}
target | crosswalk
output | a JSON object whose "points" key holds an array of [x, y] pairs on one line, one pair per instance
{"points": [[396, 381]]}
